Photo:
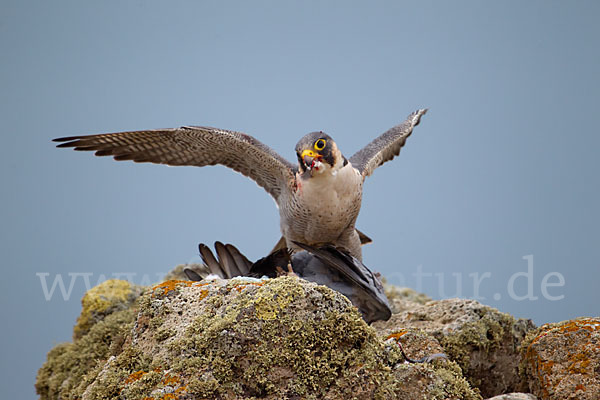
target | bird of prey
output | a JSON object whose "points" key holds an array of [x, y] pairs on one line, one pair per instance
{"points": [[318, 199], [324, 265]]}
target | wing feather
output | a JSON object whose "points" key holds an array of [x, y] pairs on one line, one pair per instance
{"points": [[386, 146], [196, 146]]}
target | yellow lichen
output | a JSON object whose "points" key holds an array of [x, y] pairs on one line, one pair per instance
{"points": [[270, 301], [99, 300]]}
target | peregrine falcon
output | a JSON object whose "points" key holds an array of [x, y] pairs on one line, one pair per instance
{"points": [[324, 265], [318, 199]]}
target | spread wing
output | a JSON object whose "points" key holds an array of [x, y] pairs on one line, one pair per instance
{"points": [[197, 146], [386, 146]]}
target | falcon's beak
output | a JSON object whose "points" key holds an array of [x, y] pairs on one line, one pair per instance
{"points": [[308, 157]]}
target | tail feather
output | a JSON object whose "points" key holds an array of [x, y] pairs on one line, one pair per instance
{"points": [[227, 261], [192, 275], [209, 259], [241, 262]]}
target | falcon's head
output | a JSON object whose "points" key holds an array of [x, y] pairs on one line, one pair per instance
{"points": [[318, 154]]}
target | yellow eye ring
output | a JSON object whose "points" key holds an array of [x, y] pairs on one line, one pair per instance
{"points": [[320, 144]]}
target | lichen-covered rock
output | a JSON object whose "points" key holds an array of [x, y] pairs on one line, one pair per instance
{"points": [[274, 338], [241, 339], [178, 274], [562, 360], [440, 379], [416, 343], [71, 367], [514, 396], [109, 296], [403, 298], [483, 341], [431, 381]]}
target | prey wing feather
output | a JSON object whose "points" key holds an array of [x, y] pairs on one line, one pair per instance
{"points": [[341, 262], [242, 263], [386, 146], [227, 261], [209, 259], [196, 146]]}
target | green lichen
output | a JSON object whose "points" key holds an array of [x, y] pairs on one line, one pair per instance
{"points": [[484, 334], [71, 367], [107, 297], [393, 292], [274, 339], [163, 334], [440, 379], [259, 347]]}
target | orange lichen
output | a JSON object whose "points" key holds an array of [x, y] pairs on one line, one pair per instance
{"points": [[135, 376], [588, 324], [242, 286], [578, 362], [171, 380], [203, 294], [396, 335], [168, 286]]}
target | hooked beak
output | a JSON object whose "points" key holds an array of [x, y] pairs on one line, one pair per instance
{"points": [[308, 158]]}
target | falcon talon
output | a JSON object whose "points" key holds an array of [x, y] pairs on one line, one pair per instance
{"points": [[290, 271]]}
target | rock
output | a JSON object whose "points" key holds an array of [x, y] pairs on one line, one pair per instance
{"points": [[562, 360], [71, 367], [425, 380], [178, 274], [403, 298], [514, 396], [241, 339], [483, 341], [109, 296], [431, 382]]}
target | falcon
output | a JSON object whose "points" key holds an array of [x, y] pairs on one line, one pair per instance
{"points": [[318, 199]]}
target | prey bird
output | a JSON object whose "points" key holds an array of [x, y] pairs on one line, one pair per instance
{"points": [[318, 199], [324, 265]]}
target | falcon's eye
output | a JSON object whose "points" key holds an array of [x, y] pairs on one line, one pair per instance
{"points": [[320, 144]]}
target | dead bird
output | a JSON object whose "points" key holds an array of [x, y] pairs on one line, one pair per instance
{"points": [[325, 265]]}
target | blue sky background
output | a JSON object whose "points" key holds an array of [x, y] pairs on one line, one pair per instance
{"points": [[504, 165]]}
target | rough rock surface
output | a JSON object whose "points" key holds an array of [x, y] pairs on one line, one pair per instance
{"points": [[483, 341], [109, 296], [514, 396], [283, 338], [424, 380], [403, 298], [562, 360]]}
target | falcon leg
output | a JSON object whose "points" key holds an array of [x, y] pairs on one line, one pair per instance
{"points": [[289, 272]]}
